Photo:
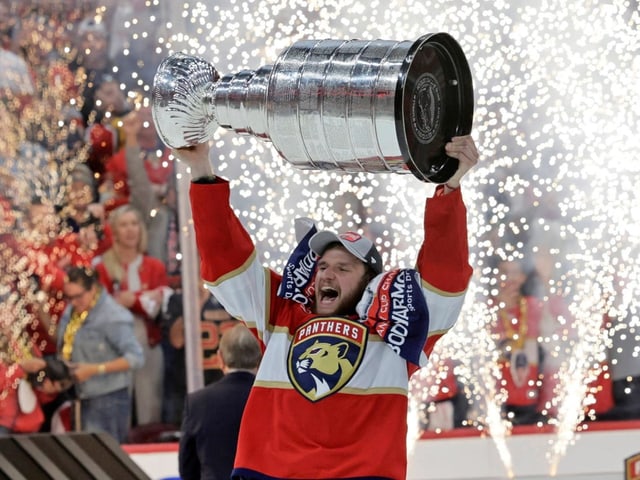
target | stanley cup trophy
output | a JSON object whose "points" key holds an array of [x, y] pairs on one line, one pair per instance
{"points": [[351, 105]]}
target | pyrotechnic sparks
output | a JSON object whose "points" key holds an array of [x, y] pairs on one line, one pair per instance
{"points": [[556, 120], [556, 116]]}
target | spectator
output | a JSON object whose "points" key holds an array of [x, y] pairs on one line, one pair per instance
{"points": [[91, 61], [516, 330], [26, 168], [49, 252], [625, 369], [36, 37], [21, 404], [16, 349], [142, 174], [51, 118], [82, 211], [40, 243], [133, 47], [616, 390], [23, 396], [557, 331], [28, 276], [16, 83], [214, 322], [212, 415], [446, 405], [96, 336], [7, 26], [104, 133], [62, 248], [138, 282]]}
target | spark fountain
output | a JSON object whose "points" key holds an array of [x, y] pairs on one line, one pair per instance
{"points": [[549, 125]]}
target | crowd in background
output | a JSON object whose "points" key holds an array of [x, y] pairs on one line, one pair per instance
{"points": [[85, 182], [530, 286]]}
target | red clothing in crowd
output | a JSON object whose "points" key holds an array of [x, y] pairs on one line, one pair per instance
{"points": [[153, 274], [11, 416], [47, 263], [517, 330], [159, 173], [361, 419]]}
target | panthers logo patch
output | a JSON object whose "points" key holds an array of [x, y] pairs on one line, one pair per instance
{"points": [[324, 354]]}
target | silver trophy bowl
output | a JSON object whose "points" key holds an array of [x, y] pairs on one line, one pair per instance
{"points": [[350, 105]]}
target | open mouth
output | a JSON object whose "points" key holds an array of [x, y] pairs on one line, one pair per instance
{"points": [[328, 294]]}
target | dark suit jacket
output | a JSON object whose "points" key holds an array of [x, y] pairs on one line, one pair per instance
{"points": [[210, 427]]}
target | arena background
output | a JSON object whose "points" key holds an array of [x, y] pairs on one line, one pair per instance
{"points": [[557, 101]]}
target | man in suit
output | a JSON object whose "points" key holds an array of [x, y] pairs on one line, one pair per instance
{"points": [[212, 415]]}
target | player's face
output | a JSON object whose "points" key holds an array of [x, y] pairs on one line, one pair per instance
{"points": [[340, 281]]}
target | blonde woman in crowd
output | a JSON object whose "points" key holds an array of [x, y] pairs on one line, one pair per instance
{"points": [[138, 282]]}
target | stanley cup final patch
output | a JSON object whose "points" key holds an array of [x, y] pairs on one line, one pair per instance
{"points": [[324, 354], [394, 306]]}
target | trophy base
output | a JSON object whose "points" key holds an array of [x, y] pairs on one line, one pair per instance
{"points": [[434, 103]]}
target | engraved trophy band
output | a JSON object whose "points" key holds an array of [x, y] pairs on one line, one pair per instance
{"points": [[351, 105]]}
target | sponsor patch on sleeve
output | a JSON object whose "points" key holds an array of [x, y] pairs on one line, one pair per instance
{"points": [[394, 306]]}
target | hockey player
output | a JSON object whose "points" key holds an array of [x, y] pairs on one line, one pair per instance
{"points": [[341, 336]]}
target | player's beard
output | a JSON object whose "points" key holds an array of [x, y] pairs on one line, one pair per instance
{"points": [[348, 301]]}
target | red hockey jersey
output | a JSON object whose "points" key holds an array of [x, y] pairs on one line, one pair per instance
{"points": [[330, 396]]}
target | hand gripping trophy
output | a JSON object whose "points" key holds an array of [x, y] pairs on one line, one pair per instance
{"points": [[351, 105]]}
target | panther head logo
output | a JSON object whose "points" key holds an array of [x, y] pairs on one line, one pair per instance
{"points": [[322, 364], [327, 365]]}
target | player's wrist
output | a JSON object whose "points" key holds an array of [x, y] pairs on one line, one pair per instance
{"points": [[200, 170], [451, 186], [211, 178]]}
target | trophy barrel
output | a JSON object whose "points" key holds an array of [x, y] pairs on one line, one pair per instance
{"points": [[373, 106], [331, 104]]}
